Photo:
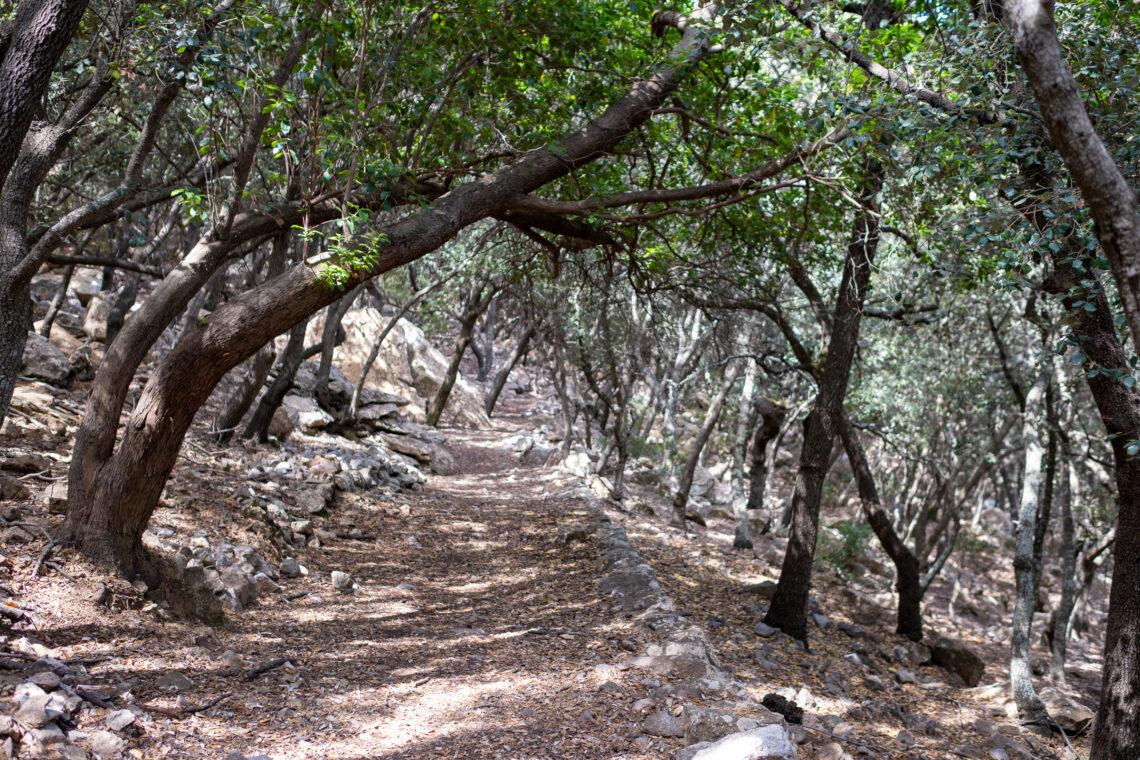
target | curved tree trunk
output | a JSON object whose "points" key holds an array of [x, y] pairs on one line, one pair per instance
{"points": [[477, 303], [788, 611], [712, 416], [771, 417], [244, 395], [331, 337], [291, 360], [112, 492], [906, 563], [504, 372]]}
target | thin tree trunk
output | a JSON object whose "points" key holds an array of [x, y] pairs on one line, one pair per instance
{"points": [[487, 355], [907, 566], [1059, 644], [505, 371], [124, 300], [681, 498], [477, 303], [1029, 706], [334, 315], [291, 361], [788, 611], [771, 419], [57, 301], [418, 296]]}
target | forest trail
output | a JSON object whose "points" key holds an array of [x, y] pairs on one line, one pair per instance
{"points": [[471, 632]]}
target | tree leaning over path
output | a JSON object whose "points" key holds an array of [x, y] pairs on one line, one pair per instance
{"points": [[113, 493]]}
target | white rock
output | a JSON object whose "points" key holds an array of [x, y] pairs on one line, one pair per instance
{"points": [[120, 719], [767, 743]]}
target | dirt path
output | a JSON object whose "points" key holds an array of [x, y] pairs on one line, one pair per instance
{"points": [[472, 634]]}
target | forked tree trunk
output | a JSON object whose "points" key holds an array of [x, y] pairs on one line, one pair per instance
{"points": [[244, 395], [477, 303], [771, 418], [505, 371], [712, 416], [291, 360], [907, 568], [788, 611]]}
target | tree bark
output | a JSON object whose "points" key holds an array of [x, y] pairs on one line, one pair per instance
{"points": [[504, 372], [334, 315], [1116, 735], [1061, 616], [788, 611], [712, 416], [1029, 706], [745, 421], [57, 301], [42, 31], [907, 566], [477, 302], [1111, 200], [771, 420]]}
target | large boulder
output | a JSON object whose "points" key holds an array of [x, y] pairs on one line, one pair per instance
{"points": [[957, 658], [408, 365], [298, 413], [43, 361], [1070, 715]]}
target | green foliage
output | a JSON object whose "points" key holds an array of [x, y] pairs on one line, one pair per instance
{"points": [[842, 554]]}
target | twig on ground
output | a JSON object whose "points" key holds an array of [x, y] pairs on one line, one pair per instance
{"points": [[43, 556], [261, 669], [93, 698], [179, 713]]}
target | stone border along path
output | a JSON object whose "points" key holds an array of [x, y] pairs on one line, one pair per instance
{"points": [[739, 730]]}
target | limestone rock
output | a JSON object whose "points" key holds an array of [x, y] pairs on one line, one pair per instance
{"points": [[662, 723], [342, 581], [107, 745], [95, 317], [706, 724], [1070, 715], [304, 412], [957, 658], [765, 743], [408, 366], [43, 361]]}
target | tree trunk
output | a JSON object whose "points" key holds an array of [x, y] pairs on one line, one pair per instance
{"points": [[56, 302], [712, 416], [124, 300], [790, 600], [330, 339], [1111, 200], [1029, 706], [1117, 732], [907, 566], [244, 395], [1060, 640], [112, 492], [745, 422], [291, 360], [477, 303], [505, 371], [41, 31], [771, 419], [486, 356]]}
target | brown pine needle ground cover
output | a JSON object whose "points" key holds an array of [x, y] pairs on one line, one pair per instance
{"points": [[937, 717], [472, 633]]}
